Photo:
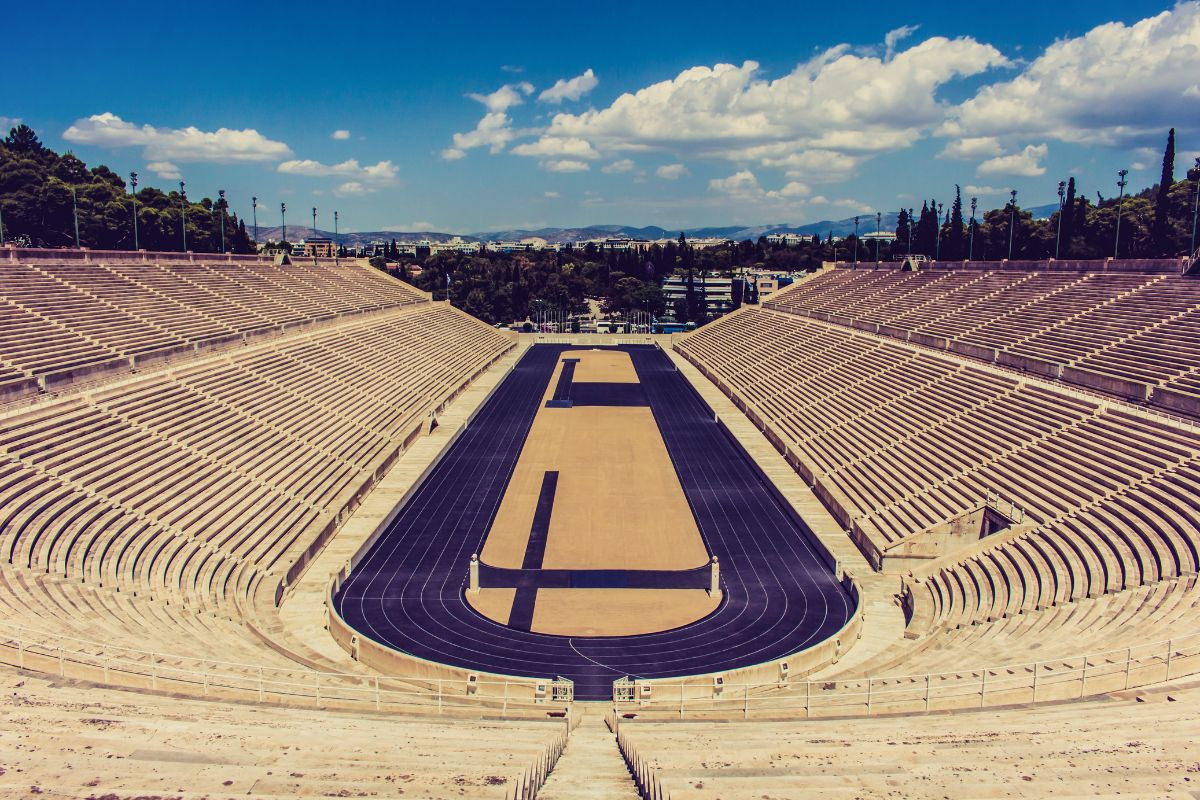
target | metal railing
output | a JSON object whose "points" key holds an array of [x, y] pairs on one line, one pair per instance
{"points": [[527, 784], [981, 687], [96, 662], [646, 777]]}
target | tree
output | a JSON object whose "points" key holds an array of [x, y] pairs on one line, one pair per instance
{"points": [[1162, 203]]}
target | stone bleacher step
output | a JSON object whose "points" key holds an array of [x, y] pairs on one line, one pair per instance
{"points": [[590, 767]]}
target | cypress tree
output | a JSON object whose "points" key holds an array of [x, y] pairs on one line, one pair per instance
{"points": [[1068, 218], [1161, 232]]}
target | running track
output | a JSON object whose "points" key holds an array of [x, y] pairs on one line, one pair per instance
{"points": [[779, 595]]}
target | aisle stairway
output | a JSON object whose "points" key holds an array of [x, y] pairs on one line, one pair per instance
{"points": [[590, 767]]}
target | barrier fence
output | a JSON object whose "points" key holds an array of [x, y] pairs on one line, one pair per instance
{"points": [[981, 687], [80, 659]]}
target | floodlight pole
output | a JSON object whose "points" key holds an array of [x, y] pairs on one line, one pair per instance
{"points": [[856, 240], [283, 222], [1121, 182], [1062, 193], [133, 192], [971, 237], [183, 214], [1195, 207], [937, 248], [335, 237], [1012, 220], [878, 223], [254, 212], [314, 221], [221, 211], [910, 232], [75, 214]]}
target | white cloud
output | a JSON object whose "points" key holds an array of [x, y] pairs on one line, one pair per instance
{"points": [[7, 124], [1026, 163], [566, 165], [550, 195], [513, 69], [740, 184], [838, 102], [1115, 85], [743, 187], [495, 129], [617, 167], [341, 134], [972, 147], [186, 145], [671, 172], [985, 191], [352, 188], [165, 170], [570, 88], [384, 172], [556, 146], [894, 37]]}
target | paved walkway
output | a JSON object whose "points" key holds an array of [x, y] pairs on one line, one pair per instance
{"points": [[591, 766]]}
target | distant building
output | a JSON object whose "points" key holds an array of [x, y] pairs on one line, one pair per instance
{"points": [[785, 239], [718, 292], [316, 247]]}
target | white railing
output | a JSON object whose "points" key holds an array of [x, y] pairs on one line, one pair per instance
{"points": [[96, 662], [980, 687]]}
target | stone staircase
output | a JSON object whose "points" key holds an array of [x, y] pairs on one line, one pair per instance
{"points": [[591, 767]]}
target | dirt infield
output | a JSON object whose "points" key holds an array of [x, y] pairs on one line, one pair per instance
{"points": [[617, 505]]}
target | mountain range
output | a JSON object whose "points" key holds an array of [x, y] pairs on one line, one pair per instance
{"points": [[841, 227]]}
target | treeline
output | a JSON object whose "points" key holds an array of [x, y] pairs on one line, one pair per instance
{"points": [[1154, 223], [38, 209]]}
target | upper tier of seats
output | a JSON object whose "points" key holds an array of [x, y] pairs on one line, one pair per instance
{"points": [[1134, 335], [64, 322], [897, 440]]}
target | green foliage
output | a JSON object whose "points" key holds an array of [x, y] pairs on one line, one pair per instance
{"points": [[35, 198]]}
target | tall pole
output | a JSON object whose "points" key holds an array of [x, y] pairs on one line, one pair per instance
{"points": [[1012, 220], [971, 237], [910, 232], [1062, 194], [183, 214], [314, 220], [336, 246], [133, 192], [878, 223], [283, 222], [221, 211], [937, 248], [75, 214], [1195, 207], [856, 240], [254, 212], [1120, 204]]}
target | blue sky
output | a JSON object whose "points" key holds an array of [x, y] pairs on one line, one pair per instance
{"points": [[679, 114]]}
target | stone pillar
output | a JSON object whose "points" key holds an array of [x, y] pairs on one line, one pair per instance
{"points": [[474, 578], [714, 584]]}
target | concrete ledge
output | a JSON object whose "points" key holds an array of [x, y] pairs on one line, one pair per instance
{"points": [[101, 369], [864, 325], [1183, 402], [1038, 366], [937, 342], [894, 332], [1122, 387], [973, 351]]}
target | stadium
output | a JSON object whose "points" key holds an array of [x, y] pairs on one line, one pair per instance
{"points": [[898, 499]]}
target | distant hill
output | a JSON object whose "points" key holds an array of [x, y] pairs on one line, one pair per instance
{"points": [[840, 227]]}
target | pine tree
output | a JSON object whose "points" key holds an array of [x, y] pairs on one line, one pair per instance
{"points": [[1161, 232], [953, 248], [1068, 219]]}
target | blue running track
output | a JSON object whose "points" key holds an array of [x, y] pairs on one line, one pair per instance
{"points": [[779, 595]]}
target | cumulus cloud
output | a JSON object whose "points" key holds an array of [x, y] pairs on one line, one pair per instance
{"points": [[743, 186], [1114, 86], [838, 102], [1026, 163], [494, 130], [550, 195], [986, 191], [618, 167], [557, 146], [671, 172], [566, 165], [972, 147], [352, 188], [185, 145], [894, 37], [341, 134], [383, 172], [165, 170], [570, 88]]}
